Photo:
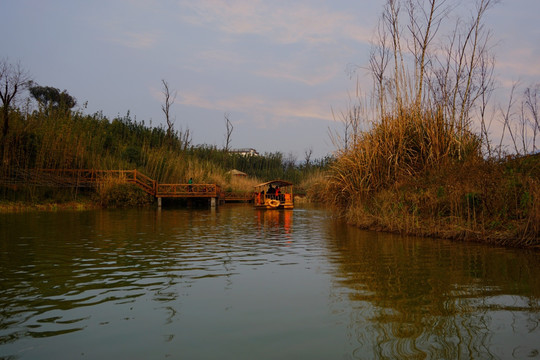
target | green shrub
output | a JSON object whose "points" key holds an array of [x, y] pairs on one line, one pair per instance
{"points": [[132, 154], [123, 195]]}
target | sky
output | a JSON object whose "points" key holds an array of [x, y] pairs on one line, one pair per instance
{"points": [[279, 69]]}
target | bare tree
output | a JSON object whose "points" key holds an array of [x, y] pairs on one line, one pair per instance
{"points": [[341, 142], [391, 18], [308, 153], [13, 79], [486, 84], [416, 68], [423, 28], [531, 104], [378, 62], [506, 120], [228, 134], [289, 162], [352, 121], [166, 107], [185, 139], [523, 128], [475, 45]]}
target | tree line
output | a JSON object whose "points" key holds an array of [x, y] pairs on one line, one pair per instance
{"points": [[48, 131]]}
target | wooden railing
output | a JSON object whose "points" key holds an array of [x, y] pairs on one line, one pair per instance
{"points": [[144, 182], [92, 177], [187, 190], [238, 196], [51, 177]]}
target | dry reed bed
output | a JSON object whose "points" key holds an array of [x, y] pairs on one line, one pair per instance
{"points": [[71, 140], [417, 176], [411, 162]]}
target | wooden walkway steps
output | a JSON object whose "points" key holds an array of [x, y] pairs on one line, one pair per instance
{"points": [[238, 196], [91, 178]]}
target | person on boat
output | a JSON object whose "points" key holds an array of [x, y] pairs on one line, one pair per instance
{"points": [[271, 190], [190, 184], [277, 192]]}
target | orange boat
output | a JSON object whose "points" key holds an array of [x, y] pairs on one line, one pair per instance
{"points": [[275, 194]]}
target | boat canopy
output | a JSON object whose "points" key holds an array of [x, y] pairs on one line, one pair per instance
{"points": [[269, 197], [274, 182]]}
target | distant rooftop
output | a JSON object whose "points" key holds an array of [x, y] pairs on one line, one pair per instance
{"points": [[235, 172], [246, 152]]}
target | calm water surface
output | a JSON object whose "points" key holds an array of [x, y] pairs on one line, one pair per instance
{"points": [[237, 283]]}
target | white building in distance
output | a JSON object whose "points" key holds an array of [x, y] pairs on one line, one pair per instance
{"points": [[245, 152]]}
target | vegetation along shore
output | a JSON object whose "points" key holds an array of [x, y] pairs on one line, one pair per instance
{"points": [[421, 158], [416, 156]]}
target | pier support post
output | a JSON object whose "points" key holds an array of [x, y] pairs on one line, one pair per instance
{"points": [[159, 202], [213, 202]]}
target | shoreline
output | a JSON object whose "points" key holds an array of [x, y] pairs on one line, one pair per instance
{"points": [[457, 232], [453, 232], [10, 207]]}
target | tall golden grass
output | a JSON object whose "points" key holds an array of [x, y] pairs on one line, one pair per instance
{"points": [[316, 187], [65, 140], [400, 146], [71, 140], [114, 191], [417, 166], [415, 174]]}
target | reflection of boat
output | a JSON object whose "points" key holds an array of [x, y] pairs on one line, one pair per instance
{"points": [[275, 194], [275, 223]]}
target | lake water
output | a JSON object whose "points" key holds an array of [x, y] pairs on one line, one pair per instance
{"points": [[238, 283]]}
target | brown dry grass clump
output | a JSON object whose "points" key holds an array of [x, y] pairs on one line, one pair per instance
{"points": [[416, 174], [116, 192], [476, 199], [418, 167]]}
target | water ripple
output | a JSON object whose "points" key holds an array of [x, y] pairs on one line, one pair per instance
{"points": [[237, 276]]}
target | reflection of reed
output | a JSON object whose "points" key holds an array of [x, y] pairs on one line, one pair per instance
{"points": [[423, 298]]}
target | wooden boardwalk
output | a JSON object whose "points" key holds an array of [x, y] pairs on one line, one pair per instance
{"points": [[91, 178], [238, 196]]}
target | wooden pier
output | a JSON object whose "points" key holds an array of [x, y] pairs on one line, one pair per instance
{"points": [[81, 178]]}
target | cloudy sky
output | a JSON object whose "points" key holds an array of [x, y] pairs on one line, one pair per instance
{"points": [[278, 68]]}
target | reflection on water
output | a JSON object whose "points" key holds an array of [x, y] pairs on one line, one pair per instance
{"points": [[413, 298], [243, 283]]}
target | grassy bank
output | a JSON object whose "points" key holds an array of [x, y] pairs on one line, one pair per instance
{"points": [[476, 201], [420, 158], [415, 174], [54, 138], [21, 206]]}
